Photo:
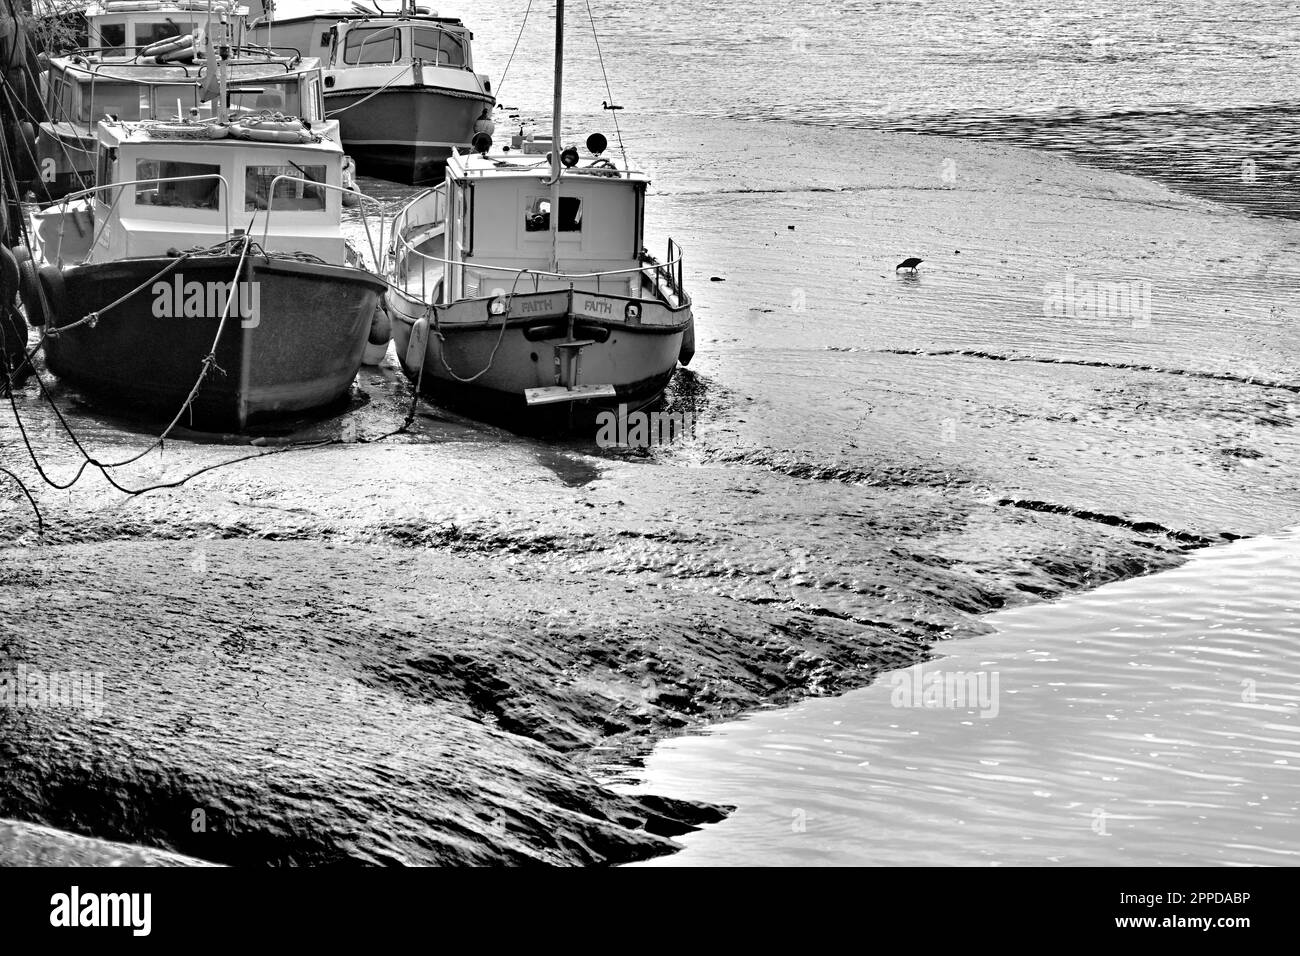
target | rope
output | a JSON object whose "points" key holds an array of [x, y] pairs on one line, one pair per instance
{"points": [[506, 72], [92, 318], [40, 523], [343, 109], [618, 132], [442, 352]]}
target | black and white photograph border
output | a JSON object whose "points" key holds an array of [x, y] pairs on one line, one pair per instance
{"points": [[697, 435]]}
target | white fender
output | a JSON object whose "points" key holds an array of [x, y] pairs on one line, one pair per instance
{"points": [[415, 349]]}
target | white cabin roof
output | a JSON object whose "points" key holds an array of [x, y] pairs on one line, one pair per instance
{"points": [[156, 133], [507, 162]]}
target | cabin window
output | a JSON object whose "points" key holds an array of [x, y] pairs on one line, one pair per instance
{"points": [[189, 194], [290, 194], [372, 45], [438, 46], [272, 97], [537, 214], [120, 99], [104, 173], [147, 34], [112, 36]]}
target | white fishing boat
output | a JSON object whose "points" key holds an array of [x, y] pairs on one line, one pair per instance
{"points": [[206, 271], [402, 86], [521, 284]]}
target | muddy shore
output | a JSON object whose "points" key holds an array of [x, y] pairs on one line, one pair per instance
{"points": [[427, 649]]}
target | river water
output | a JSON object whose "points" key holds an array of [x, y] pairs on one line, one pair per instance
{"points": [[1154, 721]]}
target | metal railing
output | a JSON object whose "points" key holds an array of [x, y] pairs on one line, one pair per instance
{"points": [[672, 268], [365, 220], [670, 271]]}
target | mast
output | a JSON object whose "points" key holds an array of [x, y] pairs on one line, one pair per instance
{"points": [[223, 51], [555, 136]]}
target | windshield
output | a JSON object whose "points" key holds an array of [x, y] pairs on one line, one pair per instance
{"points": [[372, 45], [438, 46], [120, 99], [259, 95]]}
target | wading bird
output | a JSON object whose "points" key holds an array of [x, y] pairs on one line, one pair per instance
{"points": [[909, 263]]}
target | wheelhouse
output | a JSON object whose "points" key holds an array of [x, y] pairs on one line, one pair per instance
{"points": [[124, 27], [500, 222], [83, 91], [435, 41], [287, 196]]}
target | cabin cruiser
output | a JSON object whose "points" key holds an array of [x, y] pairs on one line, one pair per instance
{"points": [[206, 275], [402, 86]]}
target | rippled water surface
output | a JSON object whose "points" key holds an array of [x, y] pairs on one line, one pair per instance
{"points": [[1202, 93], [1152, 721]]}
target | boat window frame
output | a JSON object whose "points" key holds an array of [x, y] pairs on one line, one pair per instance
{"points": [[347, 38], [139, 25], [289, 168], [531, 201], [461, 39], [99, 34], [215, 170]]}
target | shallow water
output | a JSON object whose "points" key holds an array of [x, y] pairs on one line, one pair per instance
{"points": [[1191, 92], [1149, 722]]}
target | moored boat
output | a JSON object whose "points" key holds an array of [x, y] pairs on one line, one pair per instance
{"points": [[402, 86], [521, 284], [207, 271]]}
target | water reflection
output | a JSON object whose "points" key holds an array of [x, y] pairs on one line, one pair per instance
{"points": [[1153, 721]]}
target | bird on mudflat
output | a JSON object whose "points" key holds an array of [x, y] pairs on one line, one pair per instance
{"points": [[909, 263]]}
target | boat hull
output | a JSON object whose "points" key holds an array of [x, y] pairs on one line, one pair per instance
{"points": [[293, 342], [405, 134], [533, 352]]}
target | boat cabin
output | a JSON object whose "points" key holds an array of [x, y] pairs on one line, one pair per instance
{"points": [[83, 90], [179, 192], [80, 91], [345, 40], [124, 27], [500, 221]]}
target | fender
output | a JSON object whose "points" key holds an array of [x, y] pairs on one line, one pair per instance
{"points": [[29, 293], [55, 290], [8, 277], [688, 343]]}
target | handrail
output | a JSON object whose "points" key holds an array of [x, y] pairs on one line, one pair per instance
{"points": [[670, 271], [101, 70], [270, 208], [532, 272], [600, 172], [84, 193]]}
